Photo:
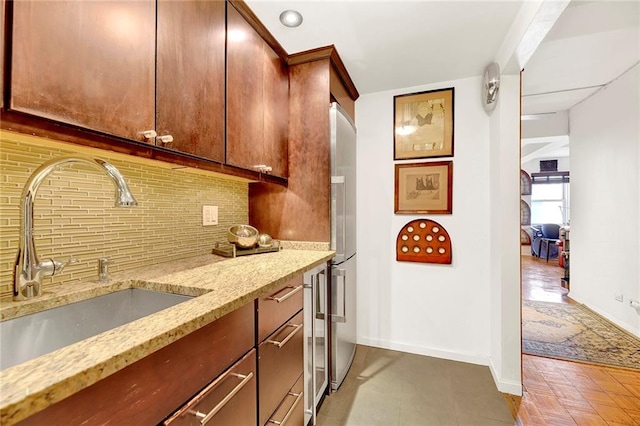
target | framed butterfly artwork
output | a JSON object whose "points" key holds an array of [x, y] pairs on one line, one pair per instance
{"points": [[423, 124]]}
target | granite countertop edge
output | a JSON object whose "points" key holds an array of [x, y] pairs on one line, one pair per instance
{"points": [[219, 286]]}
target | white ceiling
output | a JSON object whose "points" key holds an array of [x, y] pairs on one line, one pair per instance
{"points": [[388, 45], [591, 44]]}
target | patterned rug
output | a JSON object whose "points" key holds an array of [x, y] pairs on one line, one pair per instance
{"points": [[574, 332]]}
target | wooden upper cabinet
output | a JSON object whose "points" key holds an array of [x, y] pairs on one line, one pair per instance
{"points": [[244, 92], [85, 63], [257, 99], [276, 112], [190, 73]]}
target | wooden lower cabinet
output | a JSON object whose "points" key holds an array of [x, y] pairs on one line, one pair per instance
{"points": [[149, 390], [223, 372], [280, 364], [228, 400], [291, 410], [279, 306]]}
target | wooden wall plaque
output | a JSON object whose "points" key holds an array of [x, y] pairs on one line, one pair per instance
{"points": [[423, 240]]}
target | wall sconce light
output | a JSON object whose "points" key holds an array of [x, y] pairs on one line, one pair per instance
{"points": [[291, 18]]}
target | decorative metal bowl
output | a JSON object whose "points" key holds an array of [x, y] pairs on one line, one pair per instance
{"points": [[243, 236], [265, 240]]}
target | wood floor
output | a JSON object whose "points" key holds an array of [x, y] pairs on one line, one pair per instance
{"points": [[558, 393]]}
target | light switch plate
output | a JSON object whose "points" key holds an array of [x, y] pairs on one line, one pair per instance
{"points": [[209, 215]]}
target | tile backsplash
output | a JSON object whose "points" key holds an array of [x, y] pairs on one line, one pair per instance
{"points": [[74, 213]]}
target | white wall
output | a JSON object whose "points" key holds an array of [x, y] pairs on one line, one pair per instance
{"points": [[438, 310], [544, 126], [504, 201], [564, 164], [605, 200]]}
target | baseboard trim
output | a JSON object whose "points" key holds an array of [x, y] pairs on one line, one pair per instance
{"points": [[617, 322], [421, 350], [509, 387], [505, 386]]}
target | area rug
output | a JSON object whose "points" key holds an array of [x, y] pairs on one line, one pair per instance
{"points": [[574, 332]]}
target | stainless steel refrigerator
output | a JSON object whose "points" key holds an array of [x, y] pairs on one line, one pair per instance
{"points": [[343, 241]]}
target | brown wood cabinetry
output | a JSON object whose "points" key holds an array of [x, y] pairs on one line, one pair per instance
{"points": [[280, 348], [301, 211], [279, 306], [89, 64], [291, 410], [257, 99], [190, 73], [87, 73], [228, 400], [149, 390], [226, 370]]}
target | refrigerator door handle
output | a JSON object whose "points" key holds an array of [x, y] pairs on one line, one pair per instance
{"points": [[341, 273], [342, 180], [319, 314]]}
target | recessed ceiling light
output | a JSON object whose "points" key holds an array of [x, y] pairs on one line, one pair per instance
{"points": [[291, 18]]}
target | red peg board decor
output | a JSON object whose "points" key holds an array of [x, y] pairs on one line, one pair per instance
{"points": [[423, 240]]}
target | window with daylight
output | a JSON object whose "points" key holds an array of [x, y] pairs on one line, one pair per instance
{"points": [[550, 203]]}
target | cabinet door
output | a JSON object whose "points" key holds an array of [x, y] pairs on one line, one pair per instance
{"points": [[86, 63], [276, 112], [190, 88], [244, 92], [280, 359], [229, 400], [150, 389]]}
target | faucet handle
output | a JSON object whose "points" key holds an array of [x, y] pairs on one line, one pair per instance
{"points": [[59, 266]]}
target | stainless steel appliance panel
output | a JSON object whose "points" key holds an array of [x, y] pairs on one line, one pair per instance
{"points": [[343, 184], [343, 320], [343, 241], [316, 351]]}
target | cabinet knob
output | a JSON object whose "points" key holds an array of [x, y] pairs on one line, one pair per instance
{"points": [[164, 139], [148, 134], [263, 168]]}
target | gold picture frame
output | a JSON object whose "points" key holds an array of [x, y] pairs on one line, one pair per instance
{"points": [[424, 188], [423, 124]]}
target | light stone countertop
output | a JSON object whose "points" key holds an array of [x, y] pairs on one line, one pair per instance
{"points": [[221, 284]]}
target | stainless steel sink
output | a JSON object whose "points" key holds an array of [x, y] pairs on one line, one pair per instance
{"points": [[30, 336]]}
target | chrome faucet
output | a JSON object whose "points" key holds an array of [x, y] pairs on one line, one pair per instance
{"points": [[28, 272]]}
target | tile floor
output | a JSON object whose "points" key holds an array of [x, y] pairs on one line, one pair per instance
{"points": [[391, 388]]}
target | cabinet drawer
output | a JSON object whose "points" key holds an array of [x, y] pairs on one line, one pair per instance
{"points": [[149, 390], [279, 306], [280, 360], [228, 400], [291, 411]]}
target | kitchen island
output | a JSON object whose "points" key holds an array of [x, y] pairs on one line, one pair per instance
{"points": [[219, 285]]}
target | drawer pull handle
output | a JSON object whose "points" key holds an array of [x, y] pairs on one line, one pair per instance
{"points": [[293, 407], [288, 295], [284, 341], [206, 417]]}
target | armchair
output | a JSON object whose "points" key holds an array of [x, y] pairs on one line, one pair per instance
{"points": [[545, 238]]}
